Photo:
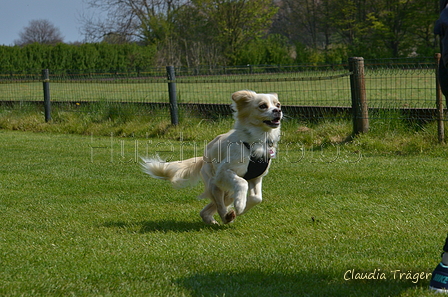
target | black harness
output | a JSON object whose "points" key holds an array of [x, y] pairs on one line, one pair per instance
{"points": [[257, 165]]}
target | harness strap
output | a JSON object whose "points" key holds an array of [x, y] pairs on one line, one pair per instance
{"points": [[257, 165]]}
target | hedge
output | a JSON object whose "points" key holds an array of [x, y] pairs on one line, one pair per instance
{"points": [[66, 57]]}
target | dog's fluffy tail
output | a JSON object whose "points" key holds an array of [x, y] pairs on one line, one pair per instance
{"points": [[180, 173]]}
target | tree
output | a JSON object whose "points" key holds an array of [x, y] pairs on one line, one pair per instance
{"points": [[148, 21], [40, 31], [399, 28], [408, 25], [233, 23], [300, 20], [228, 32], [422, 28], [185, 31]]}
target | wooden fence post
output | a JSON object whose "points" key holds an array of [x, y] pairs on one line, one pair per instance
{"points": [[439, 103], [172, 94], [46, 86], [359, 100]]}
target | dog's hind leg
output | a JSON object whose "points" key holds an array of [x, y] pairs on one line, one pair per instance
{"points": [[207, 213]]}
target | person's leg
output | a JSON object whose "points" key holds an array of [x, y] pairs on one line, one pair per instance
{"points": [[439, 278], [443, 79]]}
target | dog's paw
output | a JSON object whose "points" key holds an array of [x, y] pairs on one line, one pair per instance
{"points": [[230, 216], [213, 222], [210, 221]]}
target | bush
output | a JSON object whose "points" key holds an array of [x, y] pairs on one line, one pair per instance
{"points": [[110, 57], [273, 50]]}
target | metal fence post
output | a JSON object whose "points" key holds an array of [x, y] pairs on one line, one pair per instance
{"points": [[46, 86], [439, 103], [359, 99], [172, 95]]}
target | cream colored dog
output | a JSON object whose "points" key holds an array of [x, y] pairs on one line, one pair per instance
{"points": [[234, 163]]}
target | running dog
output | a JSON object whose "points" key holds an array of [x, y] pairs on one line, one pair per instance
{"points": [[234, 163]]}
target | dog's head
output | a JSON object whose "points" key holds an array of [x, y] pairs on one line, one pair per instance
{"points": [[261, 110]]}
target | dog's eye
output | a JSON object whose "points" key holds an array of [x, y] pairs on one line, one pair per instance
{"points": [[263, 106]]}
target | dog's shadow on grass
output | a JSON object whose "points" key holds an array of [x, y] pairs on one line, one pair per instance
{"points": [[161, 226]]}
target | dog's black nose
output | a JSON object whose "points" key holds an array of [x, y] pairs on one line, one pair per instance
{"points": [[277, 110]]}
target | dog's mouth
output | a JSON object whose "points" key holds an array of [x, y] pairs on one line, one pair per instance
{"points": [[273, 123]]}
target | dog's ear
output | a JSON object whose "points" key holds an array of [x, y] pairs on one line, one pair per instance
{"points": [[242, 97]]}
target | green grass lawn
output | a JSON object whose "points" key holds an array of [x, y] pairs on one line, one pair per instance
{"points": [[80, 218]]}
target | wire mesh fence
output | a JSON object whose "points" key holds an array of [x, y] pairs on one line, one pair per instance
{"points": [[307, 92], [408, 86]]}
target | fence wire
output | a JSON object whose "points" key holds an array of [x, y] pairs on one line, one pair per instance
{"points": [[310, 92]]}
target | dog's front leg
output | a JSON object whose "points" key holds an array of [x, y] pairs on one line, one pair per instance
{"points": [[236, 184], [255, 196]]}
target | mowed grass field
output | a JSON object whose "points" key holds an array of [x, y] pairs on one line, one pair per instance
{"points": [[394, 88], [79, 218]]}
